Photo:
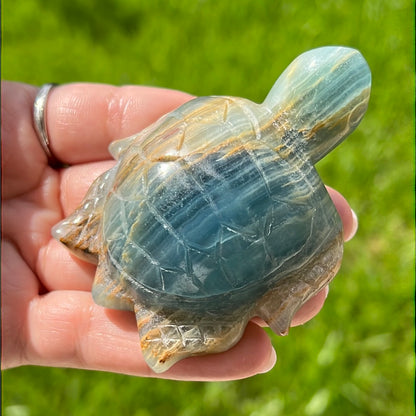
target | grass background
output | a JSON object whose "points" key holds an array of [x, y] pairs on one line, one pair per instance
{"points": [[356, 357]]}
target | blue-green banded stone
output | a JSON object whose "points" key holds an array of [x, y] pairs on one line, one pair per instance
{"points": [[215, 214]]}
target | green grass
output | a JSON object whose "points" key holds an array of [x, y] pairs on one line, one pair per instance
{"points": [[356, 357]]}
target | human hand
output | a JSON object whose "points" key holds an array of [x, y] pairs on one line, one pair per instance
{"points": [[48, 315]]}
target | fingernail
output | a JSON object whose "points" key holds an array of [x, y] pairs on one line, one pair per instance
{"points": [[326, 291], [354, 227], [271, 363]]}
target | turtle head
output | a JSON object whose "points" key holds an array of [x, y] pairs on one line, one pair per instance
{"points": [[323, 94]]}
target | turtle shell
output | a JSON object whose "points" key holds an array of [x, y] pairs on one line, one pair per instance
{"points": [[220, 219], [215, 214]]}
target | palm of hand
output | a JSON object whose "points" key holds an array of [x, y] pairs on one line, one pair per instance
{"points": [[48, 314]]}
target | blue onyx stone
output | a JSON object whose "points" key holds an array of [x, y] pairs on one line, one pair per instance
{"points": [[215, 214]]}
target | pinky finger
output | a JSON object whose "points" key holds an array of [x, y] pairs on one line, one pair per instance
{"points": [[66, 329]]}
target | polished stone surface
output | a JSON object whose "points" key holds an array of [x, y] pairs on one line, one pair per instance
{"points": [[216, 214]]}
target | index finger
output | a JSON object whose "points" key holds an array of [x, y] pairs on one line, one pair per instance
{"points": [[83, 119]]}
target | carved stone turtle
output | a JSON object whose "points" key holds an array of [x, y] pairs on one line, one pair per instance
{"points": [[215, 214]]}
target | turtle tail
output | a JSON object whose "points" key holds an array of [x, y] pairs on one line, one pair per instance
{"points": [[80, 230], [323, 94]]}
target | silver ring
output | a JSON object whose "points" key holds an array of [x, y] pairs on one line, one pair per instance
{"points": [[39, 118]]}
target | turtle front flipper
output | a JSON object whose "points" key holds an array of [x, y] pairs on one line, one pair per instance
{"points": [[167, 339], [80, 231], [279, 305]]}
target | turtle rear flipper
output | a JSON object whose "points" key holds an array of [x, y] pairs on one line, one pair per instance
{"points": [[166, 340], [80, 231], [110, 289]]}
